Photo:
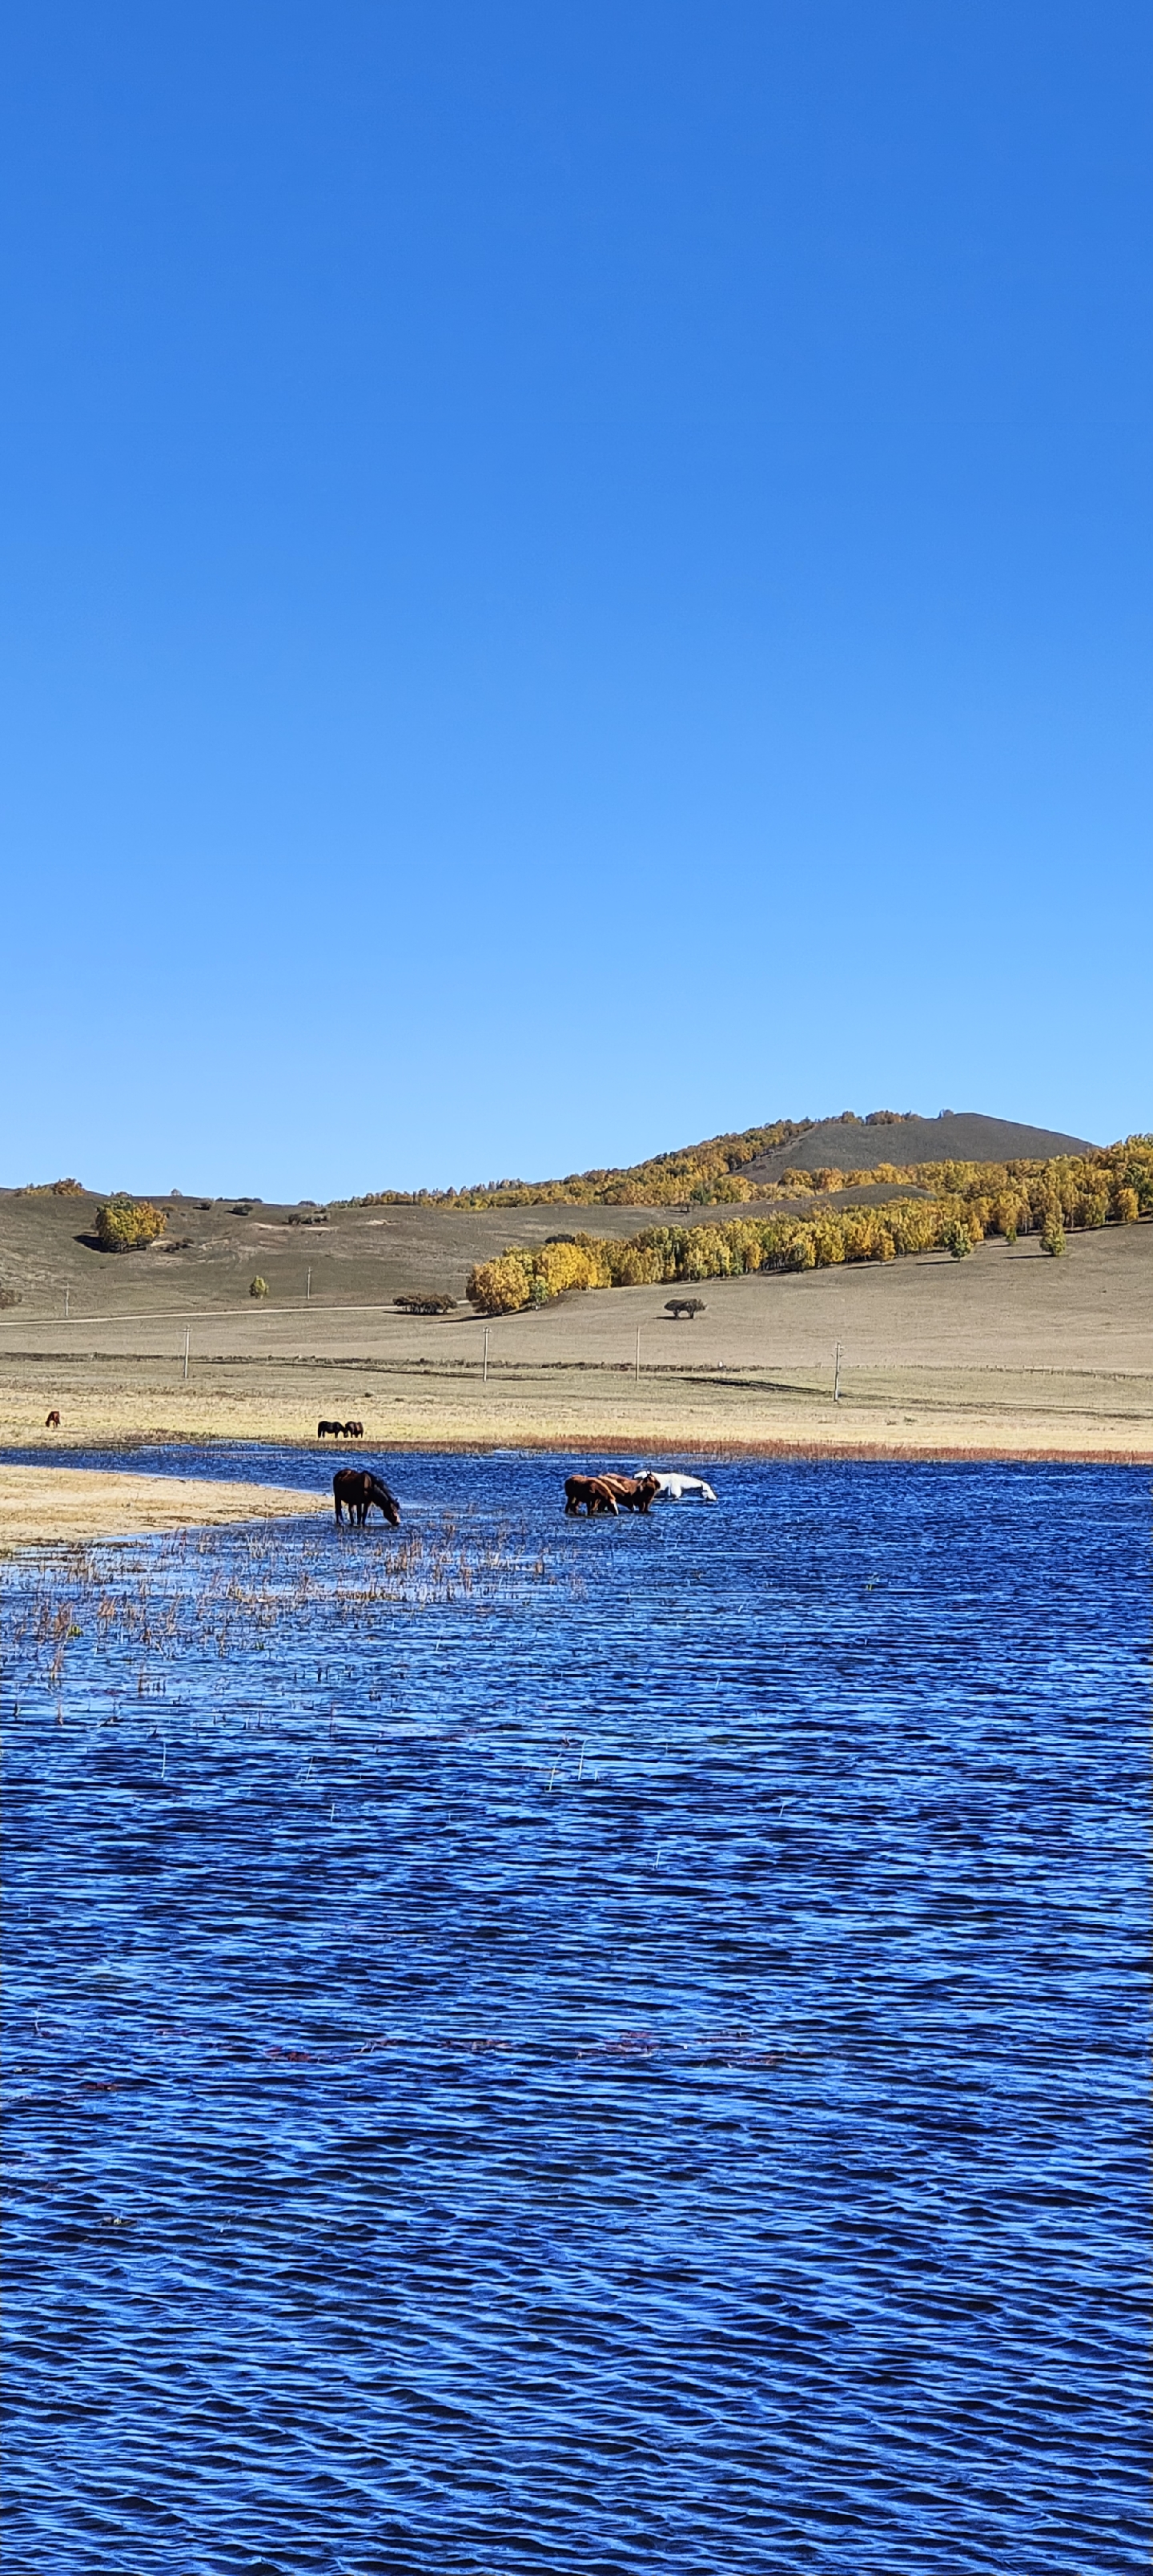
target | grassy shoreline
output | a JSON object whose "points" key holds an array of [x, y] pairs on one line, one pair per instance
{"points": [[737, 1422]]}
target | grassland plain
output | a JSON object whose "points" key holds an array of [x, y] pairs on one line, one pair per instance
{"points": [[1007, 1353]]}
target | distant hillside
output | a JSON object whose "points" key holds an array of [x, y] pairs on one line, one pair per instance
{"points": [[666, 1180], [720, 1169], [722, 1166], [958, 1136]]}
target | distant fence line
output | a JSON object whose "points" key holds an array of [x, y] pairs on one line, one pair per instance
{"points": [[210, 1314]]}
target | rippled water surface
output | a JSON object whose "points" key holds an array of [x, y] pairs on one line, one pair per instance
{"points": [[583, 2047]]}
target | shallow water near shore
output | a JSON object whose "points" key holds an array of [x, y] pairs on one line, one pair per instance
{"points": [[566, 2047]]}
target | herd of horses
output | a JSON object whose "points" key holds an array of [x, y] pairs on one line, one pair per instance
{"points": [[356, 1489], [610, 1493]]}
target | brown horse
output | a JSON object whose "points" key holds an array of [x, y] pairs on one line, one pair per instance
{"points": [[631, 1493], [358, 1489], [53, 1422], [354, 1430], [592, 1491]]}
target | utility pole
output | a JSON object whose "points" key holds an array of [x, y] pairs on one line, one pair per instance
{"points": [[837, 1376], [308, 1288], [187, 1330], [638, 1354], [484, 1380], [66, 1301]]}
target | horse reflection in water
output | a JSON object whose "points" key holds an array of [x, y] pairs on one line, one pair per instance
{"points": [[679, 1489]]}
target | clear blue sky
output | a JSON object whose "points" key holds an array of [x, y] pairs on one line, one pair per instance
{"points": [[575, 576]]}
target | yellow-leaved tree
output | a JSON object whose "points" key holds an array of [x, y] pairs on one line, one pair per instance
{"points": [[499, 1287], [125, 1224]]}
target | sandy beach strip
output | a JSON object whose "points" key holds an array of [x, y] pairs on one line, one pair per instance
{"points": [[47, 1504]]}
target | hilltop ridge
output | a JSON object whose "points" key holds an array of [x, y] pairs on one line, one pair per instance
{"points": [[956, 1136], [886, 1140], [760, 1156]]}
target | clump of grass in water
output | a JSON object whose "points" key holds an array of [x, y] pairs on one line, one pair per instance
{"points": [[233, 1591]]}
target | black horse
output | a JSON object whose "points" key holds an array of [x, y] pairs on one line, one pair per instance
{"points": [[359, 1489]]}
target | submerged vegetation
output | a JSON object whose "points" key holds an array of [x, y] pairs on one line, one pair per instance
{"points": [[969, 1201], [127, 1613]]}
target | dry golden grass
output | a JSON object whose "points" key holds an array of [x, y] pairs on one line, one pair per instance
{"points": [[68, 1503], [1004, 1354]]}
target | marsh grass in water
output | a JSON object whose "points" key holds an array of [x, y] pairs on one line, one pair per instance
{"points": [[239, 1592]]}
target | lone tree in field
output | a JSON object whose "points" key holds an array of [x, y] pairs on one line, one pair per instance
{"points": [[126, 1225], [1053, 1238], [258, 1287]]}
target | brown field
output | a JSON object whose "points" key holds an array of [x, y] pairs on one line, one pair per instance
{"points": [[1005, 1354]]}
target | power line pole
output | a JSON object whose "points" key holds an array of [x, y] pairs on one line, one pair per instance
{"points": [[187, 1331], [837, 1376], [638, 1354], [484, 1380]]}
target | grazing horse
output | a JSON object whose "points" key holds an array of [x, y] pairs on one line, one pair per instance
{"points": [[360, 1489], [336, 1429], [53, 1422], [354, 1430], [677, 1489], [592, 1491], [631, 1493]]}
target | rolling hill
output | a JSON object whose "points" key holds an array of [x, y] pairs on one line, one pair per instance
{"points": [[761, 1155], [957, 1136]]}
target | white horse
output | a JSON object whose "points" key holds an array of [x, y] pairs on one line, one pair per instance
{"points": [[678, 1489]]}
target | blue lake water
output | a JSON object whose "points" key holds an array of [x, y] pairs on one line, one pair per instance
{"points": [[554, 2047]]}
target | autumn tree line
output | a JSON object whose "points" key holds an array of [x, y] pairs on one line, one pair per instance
{"points": [[703, 1171], [967, 1202]]}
